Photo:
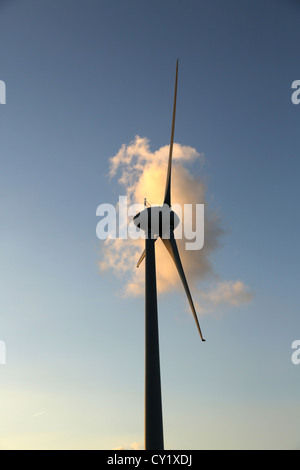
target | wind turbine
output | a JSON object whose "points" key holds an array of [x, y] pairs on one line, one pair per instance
{"points": [[158, 222]]}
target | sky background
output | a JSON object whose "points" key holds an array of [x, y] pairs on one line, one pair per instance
{"points": [[82, 79]]}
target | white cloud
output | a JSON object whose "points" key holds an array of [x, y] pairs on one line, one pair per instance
{"points": [[142, 174], [227, 292], [40, 413], [132, 446]]}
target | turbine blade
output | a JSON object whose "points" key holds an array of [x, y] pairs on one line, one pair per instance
{"points": [[171, 246], [143, 256], [167, 199]]}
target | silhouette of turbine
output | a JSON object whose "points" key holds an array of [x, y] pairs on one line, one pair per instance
{"points": [[158, 222]]}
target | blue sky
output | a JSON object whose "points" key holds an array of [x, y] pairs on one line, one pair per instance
{"points": [[83, 78]]}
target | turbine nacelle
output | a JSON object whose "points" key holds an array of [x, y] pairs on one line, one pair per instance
{"points": [[157, 220]]}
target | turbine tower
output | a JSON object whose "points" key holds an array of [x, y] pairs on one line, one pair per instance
{"points": [[158, 222]]}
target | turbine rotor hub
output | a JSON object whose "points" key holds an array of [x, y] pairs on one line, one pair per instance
{"points": [[157, 220]]}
